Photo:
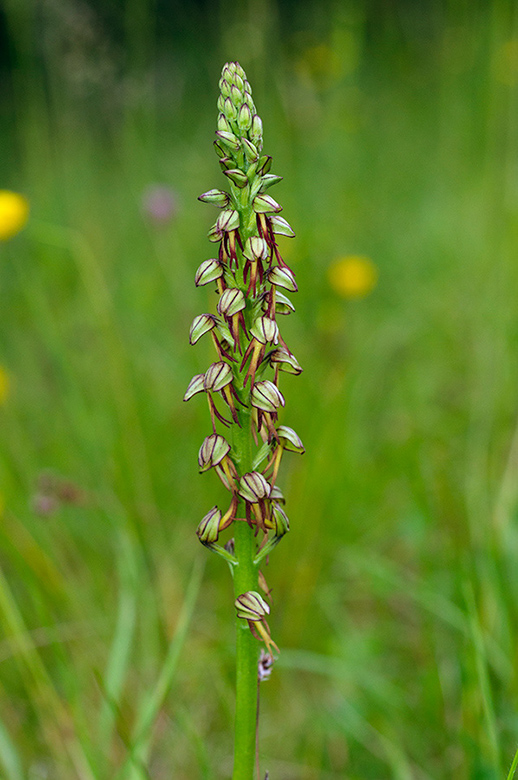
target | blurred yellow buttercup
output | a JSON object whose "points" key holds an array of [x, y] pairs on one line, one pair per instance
{"points": [[14, 210], [352, 276], [4, 385], [320, 63], [505, 65]]}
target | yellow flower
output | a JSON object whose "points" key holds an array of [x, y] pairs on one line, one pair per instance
{"points": [[352, 276], [323, 65], [4, 385], [319, 63], [506, 63], [14, 210]]}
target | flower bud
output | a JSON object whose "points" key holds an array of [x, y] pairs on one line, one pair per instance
{"points": [[264, 164], [251, 606], [265, 204], [212, 451], [268, 180], [250, 103], [250, 150], [238, 79], [267, 396], [255, 186], [229, 110], [228, 140], [217, 197], [251, 173], [228, 220], [287, 361], [282, 277], [195, 386], [221, 102], [215, 235], [208, 271], [224, 87], [277, 495], [256, 248], [265, 330], [253, 487], [223, 123], [208, 529], [244, 118], [228, 72], [225, 163], [283, 305], [219, 149], [201, 325], [236, 176], [281, 227], [256, 131], [236, 96], [231, 302], [280, 521], [238, 70], [217, 376], [291, 441]]}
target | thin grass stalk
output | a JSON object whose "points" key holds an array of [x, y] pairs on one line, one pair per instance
{"points": [[134, 765], [513, 767], [123, 638], [485, 690], [9, 756], [56, 720]]}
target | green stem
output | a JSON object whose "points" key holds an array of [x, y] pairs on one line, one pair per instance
{"points": [[245, 549], [245, 579]]}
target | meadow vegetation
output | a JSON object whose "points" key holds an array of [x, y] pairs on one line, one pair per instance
{"points": [[396, 131]]}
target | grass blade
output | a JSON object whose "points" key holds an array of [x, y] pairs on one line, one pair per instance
{"points": [[483, 680], [54, 717], [152, 703], [514, 765], [123, 637], [9, 757]]}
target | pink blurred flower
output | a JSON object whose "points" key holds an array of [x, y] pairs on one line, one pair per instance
{"points": [[159, 204]]}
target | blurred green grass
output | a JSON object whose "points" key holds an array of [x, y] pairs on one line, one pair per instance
{"points": [[395, 593]]}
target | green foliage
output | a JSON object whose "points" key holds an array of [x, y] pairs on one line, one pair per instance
{"points": [[395, 601]]}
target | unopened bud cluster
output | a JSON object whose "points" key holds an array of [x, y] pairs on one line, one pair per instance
{"points": [[242, 385]]}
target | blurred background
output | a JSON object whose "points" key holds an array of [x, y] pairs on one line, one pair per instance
{"points": [[395, 594]]}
